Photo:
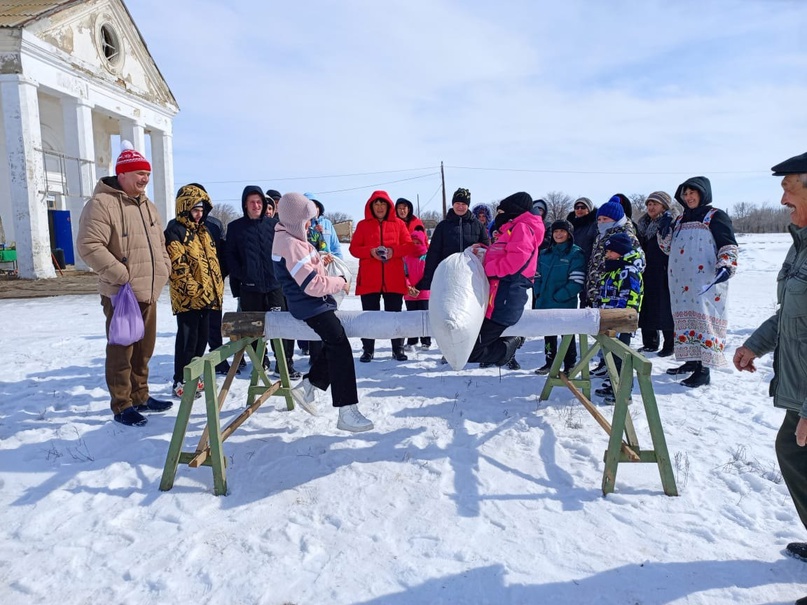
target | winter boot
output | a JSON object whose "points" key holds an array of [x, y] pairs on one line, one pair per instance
{"points": [[155, 405], [366, 357], [179, 390], [305, 395], [351, 419], [601, 369], [699, 378], [797, 550], [513, 364], [223, 368], [687, 368], [511, 344], [399, 355], [544, 369], [131, 417], [605, 389], [666, 351]]}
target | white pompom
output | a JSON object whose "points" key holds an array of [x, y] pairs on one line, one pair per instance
{"points": [[126, 145]]}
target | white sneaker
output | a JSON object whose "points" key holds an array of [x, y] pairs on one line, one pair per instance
{"points": [[305, 395], [351, 419], [179, 390]]}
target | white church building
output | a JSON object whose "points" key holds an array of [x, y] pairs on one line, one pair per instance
{"points": [[76, 77]]}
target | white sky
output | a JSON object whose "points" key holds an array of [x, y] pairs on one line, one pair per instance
{"points": [[590, 98]]}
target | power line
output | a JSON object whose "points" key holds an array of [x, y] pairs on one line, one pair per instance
{"points": [[606, 172], [309, 178]]}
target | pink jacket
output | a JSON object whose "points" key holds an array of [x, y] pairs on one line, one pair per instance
{"points": [[415, 265]]}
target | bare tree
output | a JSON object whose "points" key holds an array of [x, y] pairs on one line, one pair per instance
{"points": [[338, 217], [750, 218], [226, 214], [431, 215], [559, 205], [637, 201]]}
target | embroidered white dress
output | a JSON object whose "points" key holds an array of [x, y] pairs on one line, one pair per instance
{"points": [[700, 319]]}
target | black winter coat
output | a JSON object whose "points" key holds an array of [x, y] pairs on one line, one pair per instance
{"points": [[452, 234], [249, 250], [585, 231], [656, 310]]}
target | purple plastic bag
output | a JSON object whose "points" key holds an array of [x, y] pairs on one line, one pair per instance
{"points": [[126, 327]]}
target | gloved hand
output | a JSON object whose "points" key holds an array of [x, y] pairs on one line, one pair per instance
{"points": [[722, 275], [664, 224]]}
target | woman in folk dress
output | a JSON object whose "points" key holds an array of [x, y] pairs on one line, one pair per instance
{"points": [[703, 256]]}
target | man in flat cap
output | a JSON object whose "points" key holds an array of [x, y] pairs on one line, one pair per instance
{"points": [[785, 334]]}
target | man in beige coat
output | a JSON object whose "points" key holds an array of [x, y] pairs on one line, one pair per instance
{"points": [[120, 236]]}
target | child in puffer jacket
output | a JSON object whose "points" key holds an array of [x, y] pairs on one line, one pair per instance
{"points": [[620, 287], [414, 266]]}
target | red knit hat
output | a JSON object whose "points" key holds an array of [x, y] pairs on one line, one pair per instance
{"points": [[130, 160]]}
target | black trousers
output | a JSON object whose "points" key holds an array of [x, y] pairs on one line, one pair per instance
{"points": [[191, 340], [372, 302], [333, 365], [650, 338], [214, 339], [793, 463], [551, 349], [418, 305], [622, 337], [269, 301], [489, 347]]}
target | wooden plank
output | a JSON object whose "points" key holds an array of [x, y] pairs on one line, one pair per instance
{"points": [[657, 436]]}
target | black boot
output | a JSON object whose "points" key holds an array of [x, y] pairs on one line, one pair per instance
{"points": [[512, 344], [399, 355], [544, 369], [699, 378], [687, 368], [366, 356], [513, 364], [666, 350]]}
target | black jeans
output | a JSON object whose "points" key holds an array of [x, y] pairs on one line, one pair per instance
{"points": [[489, 347], [418, 305], [650, 338], [372, 302], [269, 301], [793, 463], [333, 364], [191, 340], [551, 349]]}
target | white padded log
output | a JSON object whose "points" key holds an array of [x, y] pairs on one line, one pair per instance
{"points": [[411, 324]]}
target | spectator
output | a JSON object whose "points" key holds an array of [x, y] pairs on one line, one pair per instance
{"points": [[583, 218], [656, 313], [197, 286], [620, 288], [380, 242], [541, 208], [560, 278], [784, 334], [703, 256], [324, 227], [484, 215], [414, 264], [214, 339], [249, 258], [120, 238], [405, 211]]}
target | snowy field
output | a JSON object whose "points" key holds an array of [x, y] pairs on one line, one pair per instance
{"points": [[469, 490]]}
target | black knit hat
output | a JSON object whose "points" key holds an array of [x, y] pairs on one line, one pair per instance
{"points": [[461, 195], [564, 225], [516, 204], [273, 194]]}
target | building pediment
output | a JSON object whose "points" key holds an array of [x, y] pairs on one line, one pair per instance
{"points": [[97, 38]]}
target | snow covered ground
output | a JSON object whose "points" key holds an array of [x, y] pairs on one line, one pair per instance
{"points": [[470, 490]]}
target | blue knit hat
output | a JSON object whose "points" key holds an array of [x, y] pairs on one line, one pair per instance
{"points": [[619, 243], [612, 210]]}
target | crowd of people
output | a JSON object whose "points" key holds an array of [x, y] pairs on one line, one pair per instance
{"points": [[674, 270]]}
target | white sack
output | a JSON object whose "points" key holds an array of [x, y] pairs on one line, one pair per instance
{"points": [[338, 268], [459, 297]]}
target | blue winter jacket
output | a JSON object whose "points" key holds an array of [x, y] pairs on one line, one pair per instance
{"points": [[561, 277]]}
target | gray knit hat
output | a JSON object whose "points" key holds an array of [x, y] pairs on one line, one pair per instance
{"points": [[584, 200], [662, 197]]}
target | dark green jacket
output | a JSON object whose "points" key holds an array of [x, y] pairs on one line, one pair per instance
{"points": [[561, 276], [786, 332]]}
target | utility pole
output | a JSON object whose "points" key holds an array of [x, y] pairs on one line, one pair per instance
{"points": [[443, 178], [418, 198]]}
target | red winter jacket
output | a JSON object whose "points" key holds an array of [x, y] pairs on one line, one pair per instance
{"points": [[375, 276]]}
